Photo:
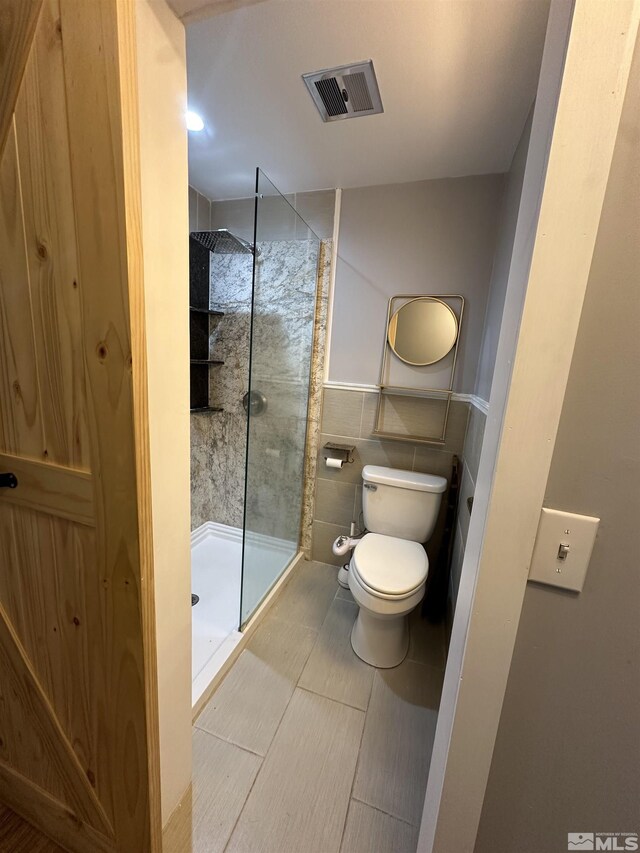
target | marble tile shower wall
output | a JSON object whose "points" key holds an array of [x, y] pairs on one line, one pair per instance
{"points": [[348, 418], [283, 323], [284, 307], [200, 220], [218, 440]]}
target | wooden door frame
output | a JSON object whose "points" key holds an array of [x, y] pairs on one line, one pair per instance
{"points": [[583, 82]]}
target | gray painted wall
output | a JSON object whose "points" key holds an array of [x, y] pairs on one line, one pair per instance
{"points": [[422, 237], [487, 356], [316, 208], [568, 746], [501, 263]]}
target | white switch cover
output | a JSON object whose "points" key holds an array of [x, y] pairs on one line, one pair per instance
{"points": [[558, 529]]}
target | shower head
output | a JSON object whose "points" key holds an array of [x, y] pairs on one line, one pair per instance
{"points": [[223, 242]]}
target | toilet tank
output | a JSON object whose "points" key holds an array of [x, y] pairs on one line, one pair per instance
{"points": [[401, 503]]}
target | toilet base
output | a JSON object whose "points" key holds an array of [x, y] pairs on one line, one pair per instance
{"points": [[380, 640]]}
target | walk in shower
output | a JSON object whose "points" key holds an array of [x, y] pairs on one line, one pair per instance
{"points": [[252, 322]]}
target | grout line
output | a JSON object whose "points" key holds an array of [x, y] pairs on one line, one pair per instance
{"points": [[355, 770], [330, 698], [388, 814], [361, 415], [414, 445], [469, 475], [432, 666], [275, 734], [246, 800], [264, 760], [228, 741], [346, 818]]}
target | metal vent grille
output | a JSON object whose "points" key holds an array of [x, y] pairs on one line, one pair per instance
{"points": [[348, 91], [331, 95], [356, 86]]}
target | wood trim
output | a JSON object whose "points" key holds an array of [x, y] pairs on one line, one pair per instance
{"points": [[52, 817], [52, 489], [127, 56], [585, 72], [43, 719], [100, 72], [18, 20]]}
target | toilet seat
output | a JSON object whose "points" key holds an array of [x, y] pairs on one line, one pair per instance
{"points": [[388, 567]]}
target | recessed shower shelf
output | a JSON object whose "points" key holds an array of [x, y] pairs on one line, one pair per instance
{"points": [[206, 361], [210, 311], [199, 409]]}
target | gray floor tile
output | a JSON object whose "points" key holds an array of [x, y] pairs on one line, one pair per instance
{"points": [[307, 597], [427, 642], [371, 831], [344, 594], [398, 739], [247, 707], [333, 668], [300, 797], [222, 778]]}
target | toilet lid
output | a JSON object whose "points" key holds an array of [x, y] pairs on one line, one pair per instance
{"points": [[389, 565]]}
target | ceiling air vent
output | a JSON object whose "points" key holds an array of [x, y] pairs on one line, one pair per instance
{"points": [[348, 91]]}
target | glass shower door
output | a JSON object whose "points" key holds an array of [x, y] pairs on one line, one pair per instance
{"points": [[284, 294]]}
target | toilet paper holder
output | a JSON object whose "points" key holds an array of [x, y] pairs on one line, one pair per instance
{"points": [[342, 452]]}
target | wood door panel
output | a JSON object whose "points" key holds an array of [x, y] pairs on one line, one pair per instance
{"points": [[78, 697], [56, 820], [47, 201], [20, 421], [56, 610], [16, 35], [33, 742], [54, 489]]}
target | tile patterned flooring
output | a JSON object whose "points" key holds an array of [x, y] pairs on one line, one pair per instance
{"points": [[304, 747]]}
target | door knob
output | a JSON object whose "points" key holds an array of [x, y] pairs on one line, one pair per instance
{"points": [[8, 481]]}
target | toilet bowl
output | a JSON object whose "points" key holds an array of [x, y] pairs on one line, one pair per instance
{"points": [[387, 578], [389, 566]]}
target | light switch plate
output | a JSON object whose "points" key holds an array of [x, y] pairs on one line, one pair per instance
{"points": [[556, 529]]}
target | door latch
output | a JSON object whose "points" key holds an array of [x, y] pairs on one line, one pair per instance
{"points": [[8, 481]]}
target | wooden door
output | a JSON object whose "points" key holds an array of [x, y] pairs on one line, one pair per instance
{"points": [[78, 727]]}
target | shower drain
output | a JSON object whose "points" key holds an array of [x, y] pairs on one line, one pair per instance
{"points": [[194, 598]]}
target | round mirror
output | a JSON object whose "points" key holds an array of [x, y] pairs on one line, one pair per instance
{"points": [[423, 331]]}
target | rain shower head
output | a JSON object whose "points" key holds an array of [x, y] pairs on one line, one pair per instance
{"points": [[222, 242]]}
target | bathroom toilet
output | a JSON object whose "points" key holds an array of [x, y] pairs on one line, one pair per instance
{"points": [[389, 566]]}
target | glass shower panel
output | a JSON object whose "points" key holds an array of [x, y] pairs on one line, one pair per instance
{"points": [[284, 292]]}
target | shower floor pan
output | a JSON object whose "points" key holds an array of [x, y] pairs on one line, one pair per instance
{"points": [[216, 578]]}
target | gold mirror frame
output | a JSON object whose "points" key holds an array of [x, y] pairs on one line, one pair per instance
{"points": [[386, 390], [450, 316]]}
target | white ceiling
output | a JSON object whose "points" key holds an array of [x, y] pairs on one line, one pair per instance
{"points": [[457, 80]]}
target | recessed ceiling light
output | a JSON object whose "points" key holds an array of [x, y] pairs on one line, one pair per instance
{"points": [[194, 121]]}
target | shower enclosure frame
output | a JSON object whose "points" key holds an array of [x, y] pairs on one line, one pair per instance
{"points": [[246, 612]]}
